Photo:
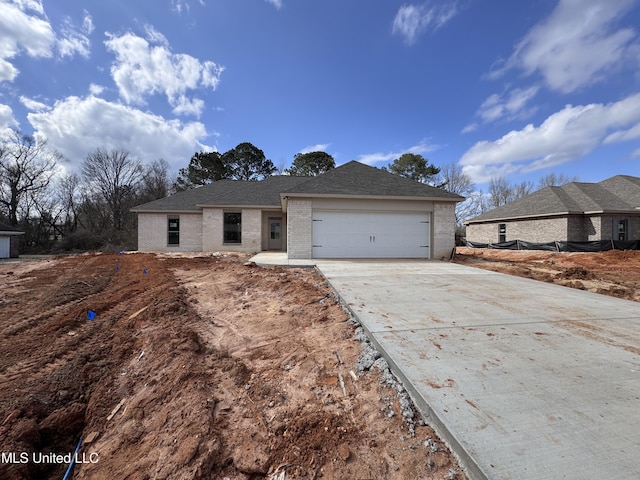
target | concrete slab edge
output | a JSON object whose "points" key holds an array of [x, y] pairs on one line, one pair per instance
{"points": [[471, 469]]}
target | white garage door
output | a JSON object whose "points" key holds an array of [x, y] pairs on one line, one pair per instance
{"points": [[370, 235], [5, 246]]}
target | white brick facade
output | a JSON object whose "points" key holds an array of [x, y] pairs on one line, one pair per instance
{"points": [[213, 232], [153, 233], [299, 228], [443, 228]]}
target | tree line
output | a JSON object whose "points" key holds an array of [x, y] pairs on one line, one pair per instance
{"points": [[69, 210], [90, 209]]}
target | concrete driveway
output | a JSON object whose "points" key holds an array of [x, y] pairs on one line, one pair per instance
{"points": [[523, 379]]}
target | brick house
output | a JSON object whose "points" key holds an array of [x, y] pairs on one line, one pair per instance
{"points": [[575, 212], [351, 211]]}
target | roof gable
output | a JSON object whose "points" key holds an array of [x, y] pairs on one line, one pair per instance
{"points": [[356, 179]]}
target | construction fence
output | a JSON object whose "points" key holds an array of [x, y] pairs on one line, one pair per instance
{"points": [[593, 246]]}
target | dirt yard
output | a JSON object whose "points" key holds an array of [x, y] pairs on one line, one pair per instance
{"points": [[615, 273], [195, 368]]}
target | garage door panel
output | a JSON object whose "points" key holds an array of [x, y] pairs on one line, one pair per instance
{"points": [[370, 235]]}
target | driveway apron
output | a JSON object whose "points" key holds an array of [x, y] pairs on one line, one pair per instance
{"points": [[522, 379]]}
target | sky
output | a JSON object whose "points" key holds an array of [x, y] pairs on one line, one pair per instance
{"points": [[499, 87]]}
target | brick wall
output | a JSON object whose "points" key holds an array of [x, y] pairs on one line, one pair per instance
{"points": [[609, 226], [443, 226], [14, 246], [539, 231], [153, 232], [213, 231], [575, 228], [299, 228]]}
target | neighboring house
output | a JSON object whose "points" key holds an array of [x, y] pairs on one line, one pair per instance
{"points": [[575, 212], [9, 241], [351, 211]]}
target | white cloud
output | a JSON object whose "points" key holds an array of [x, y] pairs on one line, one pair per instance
{"points": [[95, 89], [6, 118], [566, 135], [186, 106], [472, 127], [180, 6], [142, 69], [511, 105], [76, 39], [76, 126], [35, 5], [275, 3], [154, 36], [320, 147], [373, 158], [21, 31], [24, 27], [413, 20], [624, 135], [579, 44], [33, 105], [87, 24]]}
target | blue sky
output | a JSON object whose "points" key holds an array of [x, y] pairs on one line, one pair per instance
{"points": [[519, 89]]}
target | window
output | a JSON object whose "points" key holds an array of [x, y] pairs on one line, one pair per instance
{"points": [[232, 227], [275, 230], [623, 228], [502, 232], [174, 231]]}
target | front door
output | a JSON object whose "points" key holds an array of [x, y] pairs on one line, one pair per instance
{"points": [[275, 233]]}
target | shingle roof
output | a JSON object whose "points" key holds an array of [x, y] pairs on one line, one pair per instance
{"points": [[4, 228], [189, 199], [350, 179], [616, 194], [357, 179], [264, 193]]}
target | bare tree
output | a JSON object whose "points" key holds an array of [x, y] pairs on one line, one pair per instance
{"points": [[502, 192], [554, 180], [112, 179], [27, 166], [454, 180], [155, 182], [68, 190]]}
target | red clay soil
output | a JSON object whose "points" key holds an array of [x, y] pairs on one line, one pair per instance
{"points": [[200, 368], [615, 272]]}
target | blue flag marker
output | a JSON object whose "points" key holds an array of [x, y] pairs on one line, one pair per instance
{"points": [[91, 315], [117, 267], [144, 271]]}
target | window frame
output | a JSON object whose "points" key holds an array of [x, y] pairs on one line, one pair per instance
{"points": [[175, 232], [502, 232], [228, 234], [624, 231]]}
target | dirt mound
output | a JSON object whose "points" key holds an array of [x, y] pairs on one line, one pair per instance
{"points": [[614, 272], [193, 368], [573, 273]]}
